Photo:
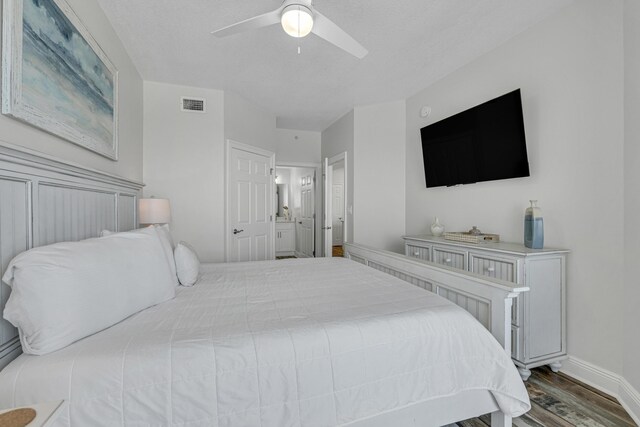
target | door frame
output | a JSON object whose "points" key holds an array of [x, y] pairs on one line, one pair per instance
{"points": [[327, 217], [317, 203], [332, 161], [229, 145]]}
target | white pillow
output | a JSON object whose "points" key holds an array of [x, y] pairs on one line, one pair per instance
{"points": [[165, 238], [67, 291], [165, 233], [187, 264], [167, 246]]}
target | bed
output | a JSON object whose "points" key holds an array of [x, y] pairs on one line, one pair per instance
{"points": [[302, 342], [313, 342]]}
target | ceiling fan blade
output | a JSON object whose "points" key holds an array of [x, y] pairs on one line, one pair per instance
{"points": [[325, 28], [264, 20]]}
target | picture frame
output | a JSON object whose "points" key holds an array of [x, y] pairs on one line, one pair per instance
{"points": [[56, 77]]}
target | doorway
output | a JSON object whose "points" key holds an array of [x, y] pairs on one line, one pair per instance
{"points": [[335, 205], [296, 228]]}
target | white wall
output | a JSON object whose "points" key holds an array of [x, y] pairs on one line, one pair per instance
{"points": [[374, 138], [632, 195], [184, 157], [129, 104], [295, 146], [336, 139], [184, 161], [379, 175], [247, 123], [570, 69]]}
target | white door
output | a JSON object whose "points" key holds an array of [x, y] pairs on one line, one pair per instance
{"points": [[306, 221], [328, 210], [250, 204], [338, 212]]}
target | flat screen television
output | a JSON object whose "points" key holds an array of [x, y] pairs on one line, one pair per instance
{"points": [[483, 143]]}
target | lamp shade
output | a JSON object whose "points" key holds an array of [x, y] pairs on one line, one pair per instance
{"points": [[154, 211], [297, 20]]}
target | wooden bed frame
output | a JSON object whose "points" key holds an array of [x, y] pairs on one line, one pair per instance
{"points": [[45, 200], [488, 300]]}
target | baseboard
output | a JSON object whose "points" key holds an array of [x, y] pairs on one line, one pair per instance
{"points": [[606, 381], [592, 375], [630, 400]]}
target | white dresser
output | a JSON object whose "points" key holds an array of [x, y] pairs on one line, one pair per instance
{"points": [[538, 318], [285, 238]]}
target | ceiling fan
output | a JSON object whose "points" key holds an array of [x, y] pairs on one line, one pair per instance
{"points": [[299, 18]]}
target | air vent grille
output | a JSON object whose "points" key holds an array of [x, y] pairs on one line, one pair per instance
{"points": [[193, 104]]}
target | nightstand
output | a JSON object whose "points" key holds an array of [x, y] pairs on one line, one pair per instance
{"points": [[46, 413]]}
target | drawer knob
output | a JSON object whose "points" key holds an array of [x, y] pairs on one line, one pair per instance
{"points": [[448, 260], [491, 269], [416, 253]]}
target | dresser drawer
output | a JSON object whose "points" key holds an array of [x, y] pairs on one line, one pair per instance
{"points": [[420, 252], [280, 226], [450, 257], [500, 268]]}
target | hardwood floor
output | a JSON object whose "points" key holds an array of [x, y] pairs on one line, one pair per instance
{"points": [[338, 251], [559, 400]]}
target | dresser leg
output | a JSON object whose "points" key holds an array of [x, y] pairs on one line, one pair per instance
{"points": [[498, 419], [524, 373], [555, 366]]}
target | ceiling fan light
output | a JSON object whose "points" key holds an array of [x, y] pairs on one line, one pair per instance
{"points": [[297, 20]]}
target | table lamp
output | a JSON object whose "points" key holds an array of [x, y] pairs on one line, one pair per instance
{"points": [[154, 211]]}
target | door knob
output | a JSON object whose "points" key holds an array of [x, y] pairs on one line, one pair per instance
{"points": [[236, 231], [326, 228]]}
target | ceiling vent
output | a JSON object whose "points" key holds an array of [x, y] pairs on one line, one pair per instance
{"points": [[192, 104]]}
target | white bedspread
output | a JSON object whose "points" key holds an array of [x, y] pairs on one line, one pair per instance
{"points": [[316, 342]]}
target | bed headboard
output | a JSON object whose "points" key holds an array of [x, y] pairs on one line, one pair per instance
{"points": [[45, 200]]}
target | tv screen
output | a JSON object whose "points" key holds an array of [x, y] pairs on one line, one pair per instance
{"points": [[483, 143]]}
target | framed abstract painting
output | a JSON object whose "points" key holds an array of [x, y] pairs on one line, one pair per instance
{"points": [[56, 77]]}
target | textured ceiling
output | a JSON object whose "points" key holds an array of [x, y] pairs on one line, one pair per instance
{"points": [[411, 44]]}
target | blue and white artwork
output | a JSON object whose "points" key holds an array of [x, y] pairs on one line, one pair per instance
{"points": [[66, 86]]}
